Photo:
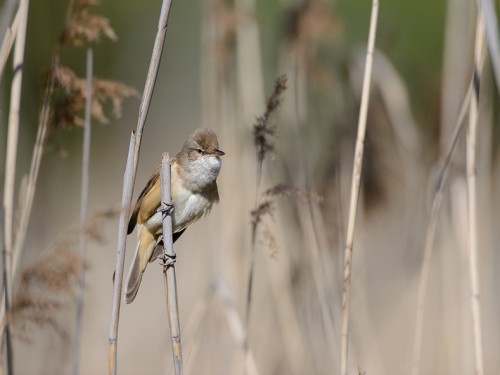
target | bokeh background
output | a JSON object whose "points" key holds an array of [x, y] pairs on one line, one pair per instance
{"points": [[220, 62]]}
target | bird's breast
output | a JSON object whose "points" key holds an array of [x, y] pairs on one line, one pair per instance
{"points": [[188, 207]]}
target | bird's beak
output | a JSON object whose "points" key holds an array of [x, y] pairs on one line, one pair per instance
{"points": [[219, 152]]}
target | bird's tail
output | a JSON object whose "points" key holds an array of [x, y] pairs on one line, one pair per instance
{"points": [[142, 256]]}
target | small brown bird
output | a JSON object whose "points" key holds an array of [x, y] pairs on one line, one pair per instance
{"points": [[193, 186]]}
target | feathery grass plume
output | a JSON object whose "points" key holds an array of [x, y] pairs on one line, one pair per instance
{"points": [[84, 27], [269, 240], [290, 191], [46, 288], [70, 93], [93, 227], [68, 99], [264, 133], [267, 208]]}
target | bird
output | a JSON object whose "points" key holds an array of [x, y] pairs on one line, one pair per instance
{"points": [[193, 188]]}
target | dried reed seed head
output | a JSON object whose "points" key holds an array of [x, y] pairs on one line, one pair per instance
{"points": [[280, 85], [265, 208], [64, 77], [46, 286], [54, 271], [83, 27], [113, 92], [93, 228], [270, 242], [274, 100], [70, 95], [263, 132], [288, 191], [44, 290], [263, 135], [31, 310]]}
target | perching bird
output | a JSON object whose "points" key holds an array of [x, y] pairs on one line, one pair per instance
{"points": [[193, 187]]}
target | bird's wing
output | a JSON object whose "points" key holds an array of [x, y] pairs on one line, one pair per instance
{"points": [[147, 203]]}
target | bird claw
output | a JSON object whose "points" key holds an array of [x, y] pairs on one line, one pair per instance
{"points": [[168, 260], [166, 209]]}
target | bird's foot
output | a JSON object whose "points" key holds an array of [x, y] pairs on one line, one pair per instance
{"points": [[168, 260], [166, 209]]}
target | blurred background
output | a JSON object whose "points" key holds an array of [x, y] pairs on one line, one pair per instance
{"points": [[220, 63]]}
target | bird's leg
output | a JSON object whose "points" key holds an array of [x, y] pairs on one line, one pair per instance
{"points": [[166, 260], [165, 209]]}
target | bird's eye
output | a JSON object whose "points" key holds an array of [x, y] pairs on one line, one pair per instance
{"points": [[200, 151]]}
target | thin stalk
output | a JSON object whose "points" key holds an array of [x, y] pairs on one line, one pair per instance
{"points": [[8, 41], [128, 186], [27, 201], [36, 159], [262, 134], [252, 251], [12, 139], [84, 208], [6, 281], [430, 236], [355, 185], [235, 324], [471, 161], [169, 267]]}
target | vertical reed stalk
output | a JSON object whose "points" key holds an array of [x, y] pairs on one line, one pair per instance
{"points": [[84, 207], [430, 236], [471, 161], [27, 202], [6, 304], [10, 249], [36, 159], [169, 267], [12, 140], [128, 184], [355, 185]]}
